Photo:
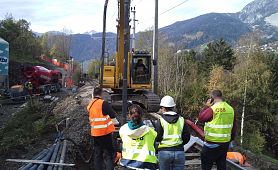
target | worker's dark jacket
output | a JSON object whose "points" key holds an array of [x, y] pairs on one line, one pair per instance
{"points": [[159, 129]]}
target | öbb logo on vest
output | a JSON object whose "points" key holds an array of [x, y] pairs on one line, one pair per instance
{"points": [[220, 110]]}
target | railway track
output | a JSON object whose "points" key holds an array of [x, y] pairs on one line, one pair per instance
{"points": [[193, 150]]}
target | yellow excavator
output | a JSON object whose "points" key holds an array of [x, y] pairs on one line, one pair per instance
{"points": [[139, 69]]}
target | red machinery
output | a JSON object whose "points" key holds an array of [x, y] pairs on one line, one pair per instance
{"points": [[69, 68], [55, 62], [42, 79]]}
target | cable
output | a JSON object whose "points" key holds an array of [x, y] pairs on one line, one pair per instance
{"points": [[173, 7], [167, 10]]}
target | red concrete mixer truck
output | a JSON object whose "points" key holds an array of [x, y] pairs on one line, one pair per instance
{"points": [[42, 79]]}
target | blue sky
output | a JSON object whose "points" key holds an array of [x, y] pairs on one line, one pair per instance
{"points": [[84, 15]]}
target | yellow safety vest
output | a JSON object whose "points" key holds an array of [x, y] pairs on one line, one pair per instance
{"points": [[138, 153], [172, 134], [29, 85], [220, 127]]}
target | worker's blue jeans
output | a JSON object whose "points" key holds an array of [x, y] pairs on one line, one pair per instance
{"points": [[171, 160]]}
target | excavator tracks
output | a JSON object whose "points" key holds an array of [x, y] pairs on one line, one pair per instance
{"points": [[147, 100], [152, 102]]}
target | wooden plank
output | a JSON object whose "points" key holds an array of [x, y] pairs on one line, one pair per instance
{"points": [[197, 147], [38, 162], [155, 115], [192, 154], [192, 162]]}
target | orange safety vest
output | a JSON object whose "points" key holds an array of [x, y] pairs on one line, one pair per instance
{"points": [[100, 124], [236, 157]]}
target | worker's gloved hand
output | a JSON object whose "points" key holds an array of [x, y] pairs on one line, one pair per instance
{"points": [[116, 122]]}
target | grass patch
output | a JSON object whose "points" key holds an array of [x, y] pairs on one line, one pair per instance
{"points": [[25, 127]]}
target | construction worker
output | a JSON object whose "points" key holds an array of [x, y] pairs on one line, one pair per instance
{"points": [[172, 135], [219, 130], [236, 157], [138, 151], [102, 116], [29, 87]]}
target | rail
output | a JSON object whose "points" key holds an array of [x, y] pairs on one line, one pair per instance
{"points": [[197, 143]]}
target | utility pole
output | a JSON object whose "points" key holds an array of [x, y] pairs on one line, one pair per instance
{"points": [[155, 49], [126, 51], [134, 26], [103, 42], [245, 93]]}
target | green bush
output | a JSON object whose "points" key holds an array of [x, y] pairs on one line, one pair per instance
{"points": [[24, 127], [254, 141]]}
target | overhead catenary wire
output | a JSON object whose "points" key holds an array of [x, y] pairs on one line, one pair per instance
{"points": [[170, 9], [164, 12]]}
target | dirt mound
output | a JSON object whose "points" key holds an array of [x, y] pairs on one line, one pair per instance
{"points": [[78, 125]]}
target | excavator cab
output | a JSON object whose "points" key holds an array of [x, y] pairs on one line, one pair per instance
{"points": [[141, 68]]}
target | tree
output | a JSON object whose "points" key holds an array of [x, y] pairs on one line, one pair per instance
{"points": [[57, 44], [23, 42], [145, 40], [219, 53], [179, 77], [93, 68]]}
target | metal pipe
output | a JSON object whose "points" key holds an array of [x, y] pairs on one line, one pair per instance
{"points": [[58, 156], [54, 155], [35, 166], [103, 42], [47, 157], [37, 157], [234, 165], [39, 162], [63, 154]]}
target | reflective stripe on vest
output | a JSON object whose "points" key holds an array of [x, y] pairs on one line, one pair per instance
{"points": [[138, 153], [99, 119], [172, 133], [100, 124], [220, 127], [133, 164]]}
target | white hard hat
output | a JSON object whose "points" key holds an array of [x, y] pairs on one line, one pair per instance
{"points": [[167, 101]]}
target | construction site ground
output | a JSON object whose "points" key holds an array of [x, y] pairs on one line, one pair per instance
{"points": [[66, 107]]}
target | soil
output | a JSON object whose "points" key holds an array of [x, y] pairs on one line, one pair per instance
{"points": [[6, 112]]}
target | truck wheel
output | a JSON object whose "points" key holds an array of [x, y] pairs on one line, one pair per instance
{"points": [[59, 86], [55, 88]]}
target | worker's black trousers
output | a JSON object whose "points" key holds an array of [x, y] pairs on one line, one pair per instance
{"points": [[103, 152], [214, 155]]}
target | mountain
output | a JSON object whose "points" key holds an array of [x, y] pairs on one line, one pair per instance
{"points": [[205, 28], [85, 46], [262, 15], [259, 15], [90, 32], [258, 10]]}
